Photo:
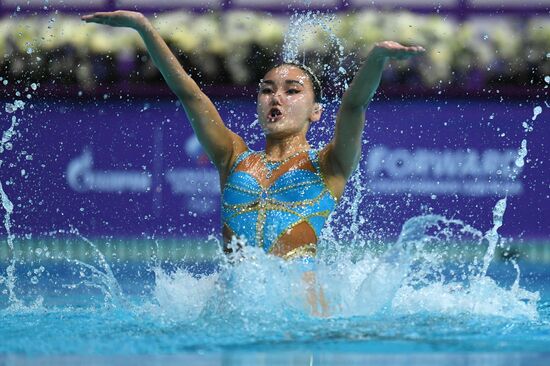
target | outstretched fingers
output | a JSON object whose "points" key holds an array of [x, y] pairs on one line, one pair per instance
{"points": [[396, 50], [99, 17], [116, 18], [412, 50], [415, 49], [407, 52]]}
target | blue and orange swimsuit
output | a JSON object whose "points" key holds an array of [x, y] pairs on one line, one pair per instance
{"points": [[280, 207]]}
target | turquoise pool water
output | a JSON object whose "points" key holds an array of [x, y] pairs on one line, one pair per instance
{"points": [[82, 328], [421, 307]]}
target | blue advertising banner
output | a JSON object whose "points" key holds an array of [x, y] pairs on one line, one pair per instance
{"points": [[132, 168]]}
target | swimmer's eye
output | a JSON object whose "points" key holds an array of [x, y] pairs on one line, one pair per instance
{"points": [[269, 91]]}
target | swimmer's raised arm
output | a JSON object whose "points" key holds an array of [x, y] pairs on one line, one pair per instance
{"points": [[344, 151], [220, 143]]}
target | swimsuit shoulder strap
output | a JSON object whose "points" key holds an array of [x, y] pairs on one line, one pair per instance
{"points": [[240, 158], [314, 158]]}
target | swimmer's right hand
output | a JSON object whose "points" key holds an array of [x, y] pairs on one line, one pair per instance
{"points": [[119, 18]]}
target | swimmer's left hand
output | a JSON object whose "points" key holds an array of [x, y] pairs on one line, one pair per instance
{"points": [[118, 18], [394, 50]]}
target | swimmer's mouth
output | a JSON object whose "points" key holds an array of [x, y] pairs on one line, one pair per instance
{"points": [[274, 115]]}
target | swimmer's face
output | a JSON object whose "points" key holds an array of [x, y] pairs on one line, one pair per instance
{"points": [[286, 102]]}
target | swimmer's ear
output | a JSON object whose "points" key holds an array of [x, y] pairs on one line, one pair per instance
{"points": [[316, 113]]}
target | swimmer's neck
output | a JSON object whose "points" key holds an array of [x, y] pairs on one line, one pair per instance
{"points": [[282, 148]]}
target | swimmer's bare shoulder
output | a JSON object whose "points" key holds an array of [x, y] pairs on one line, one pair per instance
{"points": [[340, 157], [220, 143]]}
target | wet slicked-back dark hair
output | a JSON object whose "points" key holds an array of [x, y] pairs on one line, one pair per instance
{"points": [[317, 88]]}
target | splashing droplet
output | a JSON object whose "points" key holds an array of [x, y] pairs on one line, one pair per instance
{"points": [[522, 152], [492, 235], [536, 111], [18, 104]]}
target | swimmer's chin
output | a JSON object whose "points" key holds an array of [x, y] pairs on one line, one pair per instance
{"points": [[274, 128], [271, 126]]}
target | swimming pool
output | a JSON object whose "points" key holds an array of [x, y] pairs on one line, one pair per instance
{"points": [[117, 309]]}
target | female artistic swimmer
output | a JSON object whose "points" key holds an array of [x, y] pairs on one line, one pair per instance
{"points": [[277, 199]]}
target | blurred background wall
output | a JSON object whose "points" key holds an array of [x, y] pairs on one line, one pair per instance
{"points": [[473, 46], [99, 143]]}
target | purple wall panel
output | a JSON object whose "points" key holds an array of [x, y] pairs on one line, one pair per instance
{"points": [[134, 168]]}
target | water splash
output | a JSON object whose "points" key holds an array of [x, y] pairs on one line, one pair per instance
{"points": [[5, 144], [536, 111], [10, 279], [7, 135], [181, 295], [522, 153], [101, 278], [305, 31], [492, 235], [17, 105], [417, 274]]}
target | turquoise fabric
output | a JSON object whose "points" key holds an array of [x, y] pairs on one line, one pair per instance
{"points": [[263, 215]]}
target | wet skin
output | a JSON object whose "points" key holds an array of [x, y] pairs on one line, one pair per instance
{"points": [[288, 90]]}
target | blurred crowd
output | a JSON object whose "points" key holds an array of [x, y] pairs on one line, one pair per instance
{"points": [[234, 48]]}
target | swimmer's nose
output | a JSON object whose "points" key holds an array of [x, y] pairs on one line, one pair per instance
{"points": [[276, 98]]}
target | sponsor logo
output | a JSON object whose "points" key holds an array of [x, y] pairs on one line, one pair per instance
{"points": [[192, 181], [199, 187], [82, 178], [425, 171]]}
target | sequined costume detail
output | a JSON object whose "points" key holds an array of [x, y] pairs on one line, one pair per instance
{"points": [[283, 212]]}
